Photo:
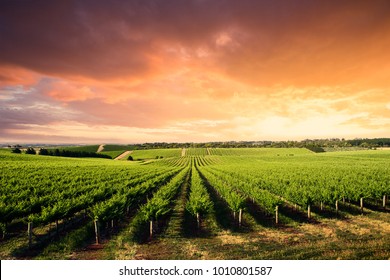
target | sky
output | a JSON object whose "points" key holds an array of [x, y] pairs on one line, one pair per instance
{"points": [[193, 70]]}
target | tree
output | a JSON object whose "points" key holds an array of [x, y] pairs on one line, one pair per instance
{"points": [[16, 151], [43, 152], [30, 151], [130, 158]]}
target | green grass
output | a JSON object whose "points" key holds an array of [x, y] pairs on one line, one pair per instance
{"points": [[353, 237], [110, 147], [112, 154], [264, 152], [350, 237], [89, 148], [152, 154]]}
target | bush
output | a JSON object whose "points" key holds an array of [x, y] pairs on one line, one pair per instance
{"points": [[43, 152], [130, 158], [68, 153], [315, 149], [31, 151], [16, 151]]}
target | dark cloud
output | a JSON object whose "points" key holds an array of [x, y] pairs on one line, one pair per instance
{"points": [[21, 107], [282, 40], [149, 64]]}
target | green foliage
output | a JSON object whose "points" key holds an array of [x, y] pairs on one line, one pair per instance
{"points": [[156, 207], [156, 153], [112, 154], [87, 148], [44, 189], [113, 148], [75, 154], [43, 152], [16, 151], [71, 242], [198, 201], [159, 205], [30, 151], [315, 149], [233, 198]]}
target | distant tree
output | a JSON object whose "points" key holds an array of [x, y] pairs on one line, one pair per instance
{"points": [[43, 152], [16, 151], [130, 158], [364, 145], [30, 151], [57, 153]]}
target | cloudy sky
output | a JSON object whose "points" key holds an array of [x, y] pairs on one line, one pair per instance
{"points": [[193, 70]]}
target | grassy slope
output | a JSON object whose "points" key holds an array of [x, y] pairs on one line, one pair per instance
{"points": [[112, 154], [354, 237], [110, 148], [151, 154], [327, 237], [90, 148]]}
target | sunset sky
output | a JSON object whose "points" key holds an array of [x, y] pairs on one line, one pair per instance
{"points": [[193, 70]]}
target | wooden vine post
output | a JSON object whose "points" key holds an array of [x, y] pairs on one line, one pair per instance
{"points": [[198, 219], [384, 201], [4, 227], [151, 229], [97, 231], [4, 230], [29, 233], [337, 207], [276, 214], [56, 226], [361, 205], [240, 217], [308, 212]]}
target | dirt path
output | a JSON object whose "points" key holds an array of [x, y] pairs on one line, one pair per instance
{"points": [[183, 152], [174, 229], [122, 155], [101, 148]]}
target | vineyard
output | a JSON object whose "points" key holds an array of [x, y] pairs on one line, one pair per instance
{"points": [[196, 203]]}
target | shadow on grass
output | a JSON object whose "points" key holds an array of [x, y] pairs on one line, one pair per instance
{"points": [[222, 211], [328, 212], [350, 208], [190, 227], [376, 205], [72, 237], [289, 214], [259, 215]]}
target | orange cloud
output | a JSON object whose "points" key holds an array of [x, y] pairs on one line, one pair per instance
{"points": [[216, 69], [16, 76]]}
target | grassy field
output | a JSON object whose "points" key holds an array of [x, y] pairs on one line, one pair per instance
{"points": [[87, 148], [113, 154], [346, 234], [353, 237], [152, 154]]}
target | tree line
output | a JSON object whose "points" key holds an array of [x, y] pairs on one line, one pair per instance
{"points": [[312, 144], [60, 153], [307, 143]]}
